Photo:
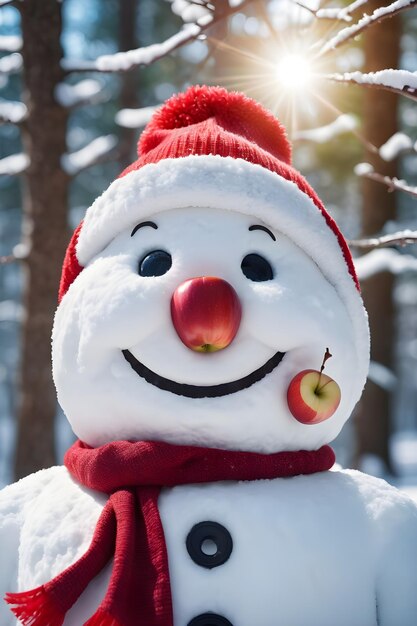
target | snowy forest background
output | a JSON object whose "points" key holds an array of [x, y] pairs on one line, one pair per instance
{"points": [[72, 105]]}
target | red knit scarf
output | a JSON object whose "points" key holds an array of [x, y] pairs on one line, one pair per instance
{"points": [[130, 531]]}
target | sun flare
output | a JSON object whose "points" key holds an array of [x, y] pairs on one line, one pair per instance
{"points": [[294, 72]]}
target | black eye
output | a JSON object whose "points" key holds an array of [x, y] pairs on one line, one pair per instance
{"points": [[156, 263], [256, 268]]}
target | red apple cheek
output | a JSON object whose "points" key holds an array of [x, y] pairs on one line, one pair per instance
{"points": [[313, 397]]}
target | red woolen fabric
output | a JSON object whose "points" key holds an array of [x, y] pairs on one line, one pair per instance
{"points": [[210, 120], [130, 531], [70, 267]]}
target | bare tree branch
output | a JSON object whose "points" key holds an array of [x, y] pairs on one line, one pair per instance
{"points": [[5, 260], [365, 22], [143, 57], [370, 80], [394, 184], [401, 238]]}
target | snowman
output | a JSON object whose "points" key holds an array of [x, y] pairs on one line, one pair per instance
{"points": [[209, 343]]}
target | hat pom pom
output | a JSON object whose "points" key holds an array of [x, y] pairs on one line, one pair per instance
{"points": [[234, 112]]}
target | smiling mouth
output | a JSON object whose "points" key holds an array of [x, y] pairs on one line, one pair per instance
{"points": [[203, 391]]}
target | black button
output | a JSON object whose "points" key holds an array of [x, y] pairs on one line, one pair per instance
{"points": [[199, 539], [209, 619]]}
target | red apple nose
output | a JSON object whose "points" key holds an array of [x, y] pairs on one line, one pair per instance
{"points": [[206, 313]]}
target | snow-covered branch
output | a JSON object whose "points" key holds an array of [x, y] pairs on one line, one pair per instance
{"points": [[335, 14], [382, 13], [400, 82], [387, 260], [332, 13], [11, 64], [20, 252], [400, 238], [397, 144], [342, 124], [10, 43], [97, 151], [394, 184], [192, 10], [12, 112], [87, 91], [14, 164], [142, 57], [134, 118]]}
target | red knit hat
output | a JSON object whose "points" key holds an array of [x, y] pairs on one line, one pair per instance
{"points": [[208, 121]]}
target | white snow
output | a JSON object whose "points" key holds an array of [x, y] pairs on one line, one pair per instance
{"points": [[14, 112], [11, 63], [342, 124], [81, 93], [382, 376], [333, 13], [362, 169], [191, 11], [381, 13], [75, 162], [396, 79], [394, 146], [123, 61], [384, 260], [135, 118], [14, 164], [10, 43]]}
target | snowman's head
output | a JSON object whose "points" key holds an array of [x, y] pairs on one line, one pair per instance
{"points": [[199, 248]]}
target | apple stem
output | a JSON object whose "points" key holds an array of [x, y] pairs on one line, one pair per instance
{"points": [[327, 356]]}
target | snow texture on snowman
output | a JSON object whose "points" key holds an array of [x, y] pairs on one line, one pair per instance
{"points": [[196, 290]]}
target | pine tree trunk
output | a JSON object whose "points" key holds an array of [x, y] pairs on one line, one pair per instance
{"points": [[44, 230], [382, 49]]}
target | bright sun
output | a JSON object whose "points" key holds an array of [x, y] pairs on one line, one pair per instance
{"points": [[294, 72]]}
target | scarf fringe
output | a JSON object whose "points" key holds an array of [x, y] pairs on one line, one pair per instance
{"points": [[102, 618], [35, 608]]}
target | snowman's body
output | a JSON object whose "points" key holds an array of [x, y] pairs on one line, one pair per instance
{"points": [[334, 548], [309, 550]]}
